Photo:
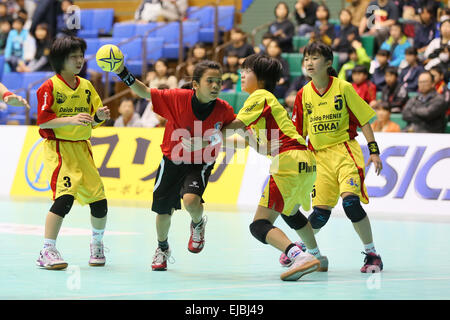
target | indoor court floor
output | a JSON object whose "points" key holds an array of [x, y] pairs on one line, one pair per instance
{"points": [[232, 266]]}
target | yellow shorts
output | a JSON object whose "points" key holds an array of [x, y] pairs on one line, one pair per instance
{"points": [[71, 170], [292, 176], [340, 168]]}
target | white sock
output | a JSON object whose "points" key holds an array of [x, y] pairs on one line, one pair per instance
{"points": [[49, 243], [97, 235], [293, 252], [370, 248], [315, 252]]}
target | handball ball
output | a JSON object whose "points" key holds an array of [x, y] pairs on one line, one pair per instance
{"points": [[109, 58]]}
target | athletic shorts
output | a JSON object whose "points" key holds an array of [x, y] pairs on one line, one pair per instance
{"points": [[292, 176], [71, 170], [173, 181], [340, 168]]}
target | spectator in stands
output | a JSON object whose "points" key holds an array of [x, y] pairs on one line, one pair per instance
{"points": [[199, 52], [357, 56], [393, 93], [444, 14], [239, 44], [47, 11], [425, 112], [377, 22], [42, 44], [161, 75], [323, 30], [187, 73], [439, 83], [396, 44], [383, 123], [377, 69], [14, 50], [274, 51], [305, 15], [436, 46], [294, 87], [4, 13], [363, 86], [347, 33], [150, 119], [425, 31], [262, 48], [128, 116], [5, 27], [410, 73], [283, 29], [158, 11], [357, 9], [65, 19], [230, 69]]}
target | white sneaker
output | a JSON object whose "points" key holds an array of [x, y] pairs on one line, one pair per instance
{"points": [[197, 239], [304, 263], [97, 258], [50, 259], [160, 259]]}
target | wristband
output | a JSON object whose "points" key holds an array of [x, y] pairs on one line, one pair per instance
{"points": [[96, 119], [6, 94], [373, 148], [127, 77]]}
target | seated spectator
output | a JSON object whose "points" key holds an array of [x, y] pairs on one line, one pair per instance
{"points": [[161, 75], [187, 73], [347, 33], [305, 15], [444, 14], [159, 11], [378, 68], [357, 9], [42, 44], [262, 48], [150, 119], [377, 22], [4, 15], [64, 19], [239, 44], [441, 60], [283, 29], [410, 73], [128, 116], [383, 123], [425, 112], [425, 31], [439, 83], [396, 44], [323, 30], [230, 74], [393, 93], [199, 52], [363, 86], [436, 46], [357, 56], [14, 50], [294, 87], [274, 51], [5, 27]]}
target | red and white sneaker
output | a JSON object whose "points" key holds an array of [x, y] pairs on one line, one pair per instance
{"points": [[303, 263], [160, 259], [372, 263], [197, 239]]}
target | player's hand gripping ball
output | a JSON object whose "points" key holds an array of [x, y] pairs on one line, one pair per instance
{"points": [[109, 58]]}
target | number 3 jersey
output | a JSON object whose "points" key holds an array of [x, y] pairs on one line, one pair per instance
{"points": [[57, 99], [332, 117]]}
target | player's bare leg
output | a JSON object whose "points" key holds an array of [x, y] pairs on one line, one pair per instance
{"points": [[163, 253], [193, 204], [53, 224]]}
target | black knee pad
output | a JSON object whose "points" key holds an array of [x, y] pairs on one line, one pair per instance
{"points": [[260, 228], [99, 209], [319, 217], [353, 209], [62, 205], [296, 221]]}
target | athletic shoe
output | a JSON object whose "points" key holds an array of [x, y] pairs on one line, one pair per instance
{"points": [[304, 263], [372, 263], [285, 261], [50, 259], [160, 259], [97, 258], [197, 239]]}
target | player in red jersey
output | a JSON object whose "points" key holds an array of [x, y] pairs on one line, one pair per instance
{"points": [[183, 174]]}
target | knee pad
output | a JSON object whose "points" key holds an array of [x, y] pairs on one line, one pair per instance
{"points": [[319, 217], [353, 209], [62, 205], [260, 228], [99, 209], [296, 221]]}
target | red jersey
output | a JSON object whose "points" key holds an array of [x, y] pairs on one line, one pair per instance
{"points": [[176, 106], [366, 90]]}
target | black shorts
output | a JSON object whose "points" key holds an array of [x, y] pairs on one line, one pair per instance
{"points": [[173, 181]]}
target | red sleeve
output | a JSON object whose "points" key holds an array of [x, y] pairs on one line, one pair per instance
{"points": [[297, 113], [230, 115], [166, 102], [372, 92], [45, 102]]}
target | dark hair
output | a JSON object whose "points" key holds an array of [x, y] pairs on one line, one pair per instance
{"points": [[163, 86], [238, 30], [44, 26], [438, 69], [266, 69], [164, 61], [360, 69], [199, 45], [233, 53], [384, 53], [411, 50], [285, 5], [19, 20], [201, 67], [398, 24], [429, 73], [326, 9], [62, 48], [323, 50], [391, 70], [267, 35], [431, 9], [348, 11], [126, 99]]}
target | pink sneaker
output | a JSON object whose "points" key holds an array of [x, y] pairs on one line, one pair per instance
{"points": [[97, 258], [285, 261], [372, 263], [50, 259]]}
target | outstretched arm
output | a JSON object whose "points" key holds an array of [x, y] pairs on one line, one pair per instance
{"points": [[135, 84], [11, 98]]}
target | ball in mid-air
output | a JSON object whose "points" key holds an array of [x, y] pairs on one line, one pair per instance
{"points": [[109, 57]]}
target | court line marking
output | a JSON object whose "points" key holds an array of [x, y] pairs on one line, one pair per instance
{"points": [[237, 287]]}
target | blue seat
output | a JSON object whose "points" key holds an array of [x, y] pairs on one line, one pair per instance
{"points": [[2, 65], [33, 102], [92, 45], [154, 49], [132, 50], [203, 14], [206, 35], [226, 17], [86, 23], [103, 20], [20, 118], [191, 31], [141, 29], [13, 80], [169, 31], [35, 77], [3, 116], [123, 30]]}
